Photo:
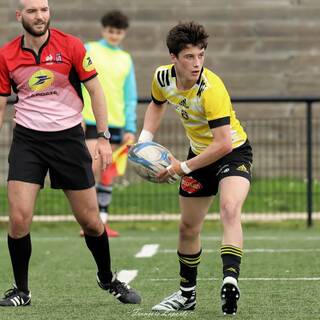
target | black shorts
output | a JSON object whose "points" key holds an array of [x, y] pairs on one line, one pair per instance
{"points": [[116, 134], [63, 153], [204, 182]]}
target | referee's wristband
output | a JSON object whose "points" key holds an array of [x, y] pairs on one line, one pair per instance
{"points": [[184, 167]]}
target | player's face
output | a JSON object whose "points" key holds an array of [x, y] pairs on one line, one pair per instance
{"points": [[114, 36], [34, 16], [189, 62]]}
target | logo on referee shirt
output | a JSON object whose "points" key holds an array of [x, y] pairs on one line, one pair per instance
{"points": [[87, 63], [41, 80], [49, 58]]}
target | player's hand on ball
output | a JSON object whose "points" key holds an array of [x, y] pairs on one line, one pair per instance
{"points": [[171, 173], [164, 176], [153, 162]]}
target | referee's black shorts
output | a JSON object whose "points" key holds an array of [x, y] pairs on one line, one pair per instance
{"points": [[204, 182], [63, 153]]}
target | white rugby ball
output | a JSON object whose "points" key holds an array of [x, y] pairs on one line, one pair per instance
{"points": [[148, 158]]}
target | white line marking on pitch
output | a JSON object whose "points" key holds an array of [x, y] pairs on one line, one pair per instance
{"points": [[218, 238], [258, 250], [245, 279], [127, 275], [147, 251], [168, 237]]}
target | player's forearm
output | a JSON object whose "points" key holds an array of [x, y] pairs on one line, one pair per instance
{"points": [[215, 151], [153, 117]]}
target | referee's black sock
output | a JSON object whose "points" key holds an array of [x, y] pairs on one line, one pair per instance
{"points": [[20, 253], [99, 247]]}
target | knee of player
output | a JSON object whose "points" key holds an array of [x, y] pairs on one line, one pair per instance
{"points": [[230, 211], [92, 227], [19, 225], [20, 216], [189, 230]]}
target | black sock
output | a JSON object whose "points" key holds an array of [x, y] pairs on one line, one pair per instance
{"points": [[188, 272], [99, 247], [231, 259], [20, 253]]}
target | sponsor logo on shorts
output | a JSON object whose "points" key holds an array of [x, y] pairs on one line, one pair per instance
{"points": [[243, 168], [41, 80], [87, 63], [190, 185]]}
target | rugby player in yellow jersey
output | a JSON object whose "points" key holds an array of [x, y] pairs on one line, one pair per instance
{"points": [[219, 160]]}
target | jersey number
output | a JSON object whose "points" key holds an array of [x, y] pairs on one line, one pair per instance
{"points": [[184, 114]]}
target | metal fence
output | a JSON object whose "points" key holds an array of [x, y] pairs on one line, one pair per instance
{"points": [[284, 133]]}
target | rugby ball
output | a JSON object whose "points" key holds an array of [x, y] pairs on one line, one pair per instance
{"points": [[148, 159]]}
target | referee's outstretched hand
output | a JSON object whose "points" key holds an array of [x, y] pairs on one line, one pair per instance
{"points": [[104, 151]]}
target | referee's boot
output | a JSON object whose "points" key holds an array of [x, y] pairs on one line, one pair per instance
{"points": [[15, 298], [230, 294], [120, 290]]}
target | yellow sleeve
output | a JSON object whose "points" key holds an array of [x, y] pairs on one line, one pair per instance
{"points": [[217, 104], [156, 92]]}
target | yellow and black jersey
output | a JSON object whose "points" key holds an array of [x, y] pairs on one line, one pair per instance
{"points": [[205, 106]]}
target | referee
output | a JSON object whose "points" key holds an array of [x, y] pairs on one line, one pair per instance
{"points": [[46, 67]]}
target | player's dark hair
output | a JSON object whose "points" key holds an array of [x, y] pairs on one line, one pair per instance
{"points": [[184, 34], [115, 19]]}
